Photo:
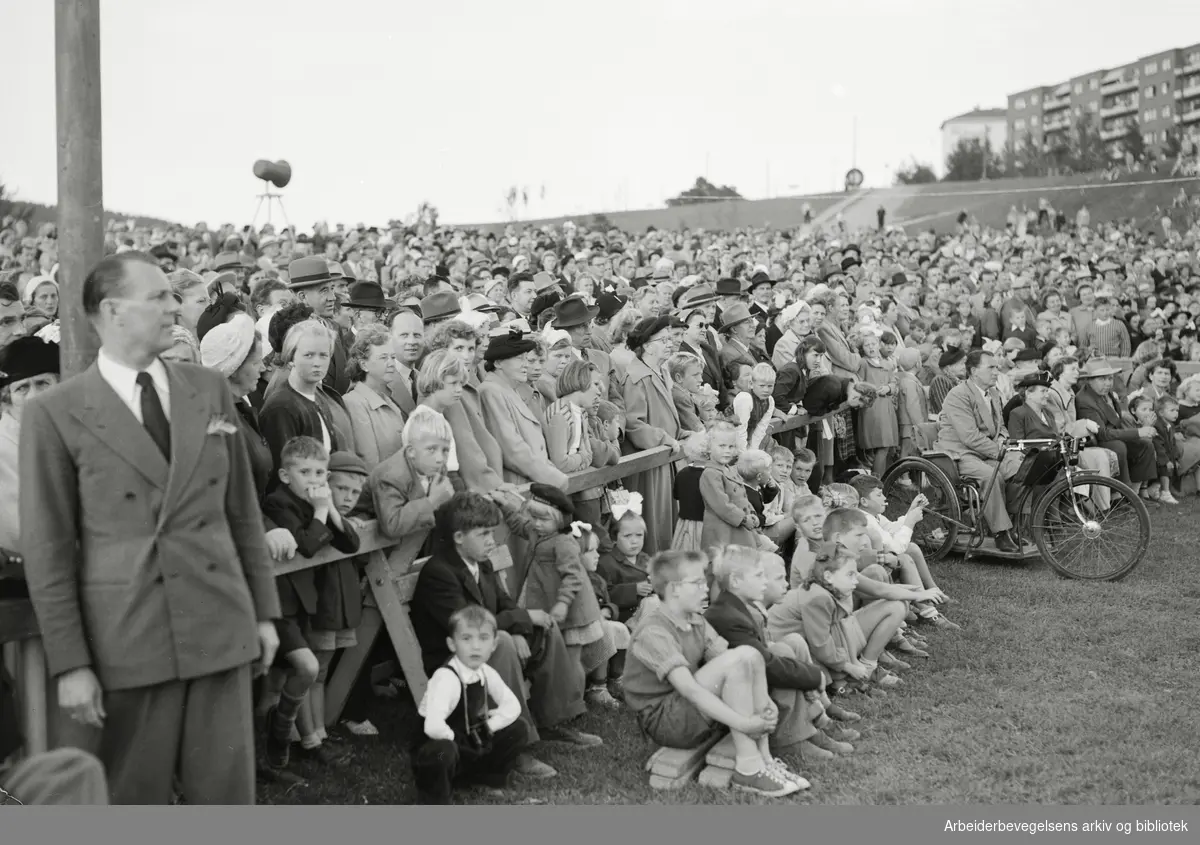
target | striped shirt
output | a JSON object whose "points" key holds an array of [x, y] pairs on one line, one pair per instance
{"points": [[1110, 339], [942, 384]]}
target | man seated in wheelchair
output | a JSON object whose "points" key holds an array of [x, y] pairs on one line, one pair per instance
{"points": [[970, 431]]}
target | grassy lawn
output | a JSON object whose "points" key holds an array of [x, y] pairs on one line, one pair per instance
{"points": [[1055, 692]]}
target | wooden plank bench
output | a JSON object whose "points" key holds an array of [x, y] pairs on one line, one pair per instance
{"points": [[671, 768]]}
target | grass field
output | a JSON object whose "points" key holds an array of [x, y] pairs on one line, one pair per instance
{"points": [[1055, 692]]}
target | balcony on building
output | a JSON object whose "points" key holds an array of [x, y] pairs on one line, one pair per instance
{"points": [[1113, 133], [1059, 98], [1119, 107], [1191, 116], [1191, 89], [1115, 81]]}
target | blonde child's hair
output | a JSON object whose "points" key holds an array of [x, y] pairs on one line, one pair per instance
{"points": [[839, 496], [840, 520], [472, 617], [720, 426], [425, 423], [629, 518], [762, 372], [782, 452], [768, 559], [734, 560], [665, 566], [804, 503], [679, 363], [695, 448], [752, 463]]}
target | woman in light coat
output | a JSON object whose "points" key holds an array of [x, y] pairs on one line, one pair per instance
{"points": [[651, 420], [375, 420], [509, 419]]}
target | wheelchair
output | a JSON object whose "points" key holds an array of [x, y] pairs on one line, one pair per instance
{"points": [[1056, 512]]}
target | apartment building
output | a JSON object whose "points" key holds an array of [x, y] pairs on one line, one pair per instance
{"points": [[989, 125], [1159, 93]]}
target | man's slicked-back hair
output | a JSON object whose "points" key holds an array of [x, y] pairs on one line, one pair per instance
{"points": [[107, 277]]}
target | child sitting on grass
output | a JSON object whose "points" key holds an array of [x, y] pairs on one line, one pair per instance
{"points": [[895, 539], [472, 728], [683, 681], [847, 643], [303, 505], [808, 512], [738, 614]]}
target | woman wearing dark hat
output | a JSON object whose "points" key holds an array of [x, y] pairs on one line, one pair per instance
{"points": [[1034, 419], [651, 420], [28, 366], [508, 417]]}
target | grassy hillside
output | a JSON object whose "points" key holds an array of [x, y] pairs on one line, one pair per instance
{"points": [[40, 214]]}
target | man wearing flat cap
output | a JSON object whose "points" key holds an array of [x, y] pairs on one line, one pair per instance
{"points": [[1116, 430]]}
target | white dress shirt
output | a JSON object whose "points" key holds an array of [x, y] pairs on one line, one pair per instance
{"points": [[445, 690], [123, 381]]}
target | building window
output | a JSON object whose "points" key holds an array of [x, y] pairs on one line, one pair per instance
{"points": [[1164, 89], [1148, 137], [1151, 68], [1094, 106], [1166, 64], [1093, 83], [1166, 112], [1078, 111], [1019, 103], [1033, 121], [1019, 124], [1078, 87], [1149, 92], [1194, 57], [1033, 99]]}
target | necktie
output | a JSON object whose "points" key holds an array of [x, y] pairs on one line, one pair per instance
{"points": [[412, 383], [153, 417]]}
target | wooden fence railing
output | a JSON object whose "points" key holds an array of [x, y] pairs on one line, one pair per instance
{"points": [[391, 571]]}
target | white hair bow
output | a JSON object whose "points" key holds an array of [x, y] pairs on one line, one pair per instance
{"points": [[577, 528], [629, 503]]}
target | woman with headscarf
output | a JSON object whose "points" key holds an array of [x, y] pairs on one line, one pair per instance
{"points": [[795, 321], [651, 420], [41, 292], [28, 366]]}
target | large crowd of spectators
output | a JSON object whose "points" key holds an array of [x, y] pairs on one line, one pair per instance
{"points": [[453, 381]]}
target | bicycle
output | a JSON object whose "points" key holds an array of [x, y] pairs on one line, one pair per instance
{"points": [[1054, 503]]}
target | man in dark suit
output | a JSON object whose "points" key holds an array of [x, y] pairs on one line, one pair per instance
{"points": [[408, 337], [1133, 444], [460, 573], [145, 554]]}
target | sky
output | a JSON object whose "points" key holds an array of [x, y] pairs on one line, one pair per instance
{"points": [[379, 105]]}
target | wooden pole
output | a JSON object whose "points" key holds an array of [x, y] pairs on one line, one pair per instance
{"points": [[80, 180]]}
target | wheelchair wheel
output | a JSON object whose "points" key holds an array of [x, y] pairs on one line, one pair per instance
{"points": [[1081, 541], [935, 534]]}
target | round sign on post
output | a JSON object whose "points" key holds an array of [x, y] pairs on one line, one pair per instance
{"points": [[854, 178]]}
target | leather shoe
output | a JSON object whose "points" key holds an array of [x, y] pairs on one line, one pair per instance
{"points": [[1005, 543]]}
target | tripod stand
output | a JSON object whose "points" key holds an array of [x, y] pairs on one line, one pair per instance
{"points": [[271, 199]]}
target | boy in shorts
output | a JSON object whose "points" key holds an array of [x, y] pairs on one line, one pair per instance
{"points": [[303, 505], [683, 680]]}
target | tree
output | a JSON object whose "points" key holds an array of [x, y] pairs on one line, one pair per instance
{"points": [[1173, 146], [1133, 142], [971, 160], [1088, 151], [703, 191], [9, 207], [915, 173]]}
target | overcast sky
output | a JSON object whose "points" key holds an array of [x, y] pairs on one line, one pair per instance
{"points": [[380, 104]]}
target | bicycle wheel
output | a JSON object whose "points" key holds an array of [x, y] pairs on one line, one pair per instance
{"points": [[935, 533], [1081, 541]]}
